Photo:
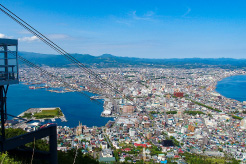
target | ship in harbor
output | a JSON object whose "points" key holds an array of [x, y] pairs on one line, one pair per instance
{"points": [[32, 87], [96, 97]]}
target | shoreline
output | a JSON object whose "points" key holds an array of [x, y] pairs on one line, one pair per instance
{"points": [[96, 96], [76, 111], [216, 83]]}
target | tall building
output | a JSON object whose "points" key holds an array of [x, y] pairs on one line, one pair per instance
{"points": [[243, 123], [191, 128], [144, 154], [132, 132], [178, 94], [128, 109], [149, 135], [79, 129], [180, 113]]}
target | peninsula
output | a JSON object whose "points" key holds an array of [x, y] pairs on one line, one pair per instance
{"points": [[43, 113]]}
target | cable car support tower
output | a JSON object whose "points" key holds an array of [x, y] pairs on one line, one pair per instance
{"points": [[9, 75]]}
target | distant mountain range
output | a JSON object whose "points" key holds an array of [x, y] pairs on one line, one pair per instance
{"points": [[107, 60]]}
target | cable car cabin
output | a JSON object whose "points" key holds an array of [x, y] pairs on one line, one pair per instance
{"points": [[8, 62]]}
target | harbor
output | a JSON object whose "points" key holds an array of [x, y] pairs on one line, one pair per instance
{"points": [[75, 108], [108, 107]]}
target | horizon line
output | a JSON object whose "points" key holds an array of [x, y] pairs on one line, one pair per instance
{"points": [[138, 57]]}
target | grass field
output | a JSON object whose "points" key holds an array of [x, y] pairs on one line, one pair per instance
{"points": [[200, 159], [48, 113]]}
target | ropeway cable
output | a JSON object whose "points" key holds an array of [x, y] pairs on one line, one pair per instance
{"points": [[59, 49], [33, 65], [55, 77], [54, 46]]}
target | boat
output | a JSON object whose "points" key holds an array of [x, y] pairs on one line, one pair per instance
{"points": [[32, 87], [63, 119]]}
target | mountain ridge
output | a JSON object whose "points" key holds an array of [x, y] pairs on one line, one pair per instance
{"points": [[108, 60]]}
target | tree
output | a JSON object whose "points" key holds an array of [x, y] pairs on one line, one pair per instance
{"points": [[63, 157], [69, 156], [6, 159]]}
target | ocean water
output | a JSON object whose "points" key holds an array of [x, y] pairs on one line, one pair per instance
{"points": [[75, 106], [233, 87]]}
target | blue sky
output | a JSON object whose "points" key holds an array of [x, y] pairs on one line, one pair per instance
{"points": [[133, 28]]}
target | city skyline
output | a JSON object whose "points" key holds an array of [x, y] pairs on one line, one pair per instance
{"points": [[177, 29]]}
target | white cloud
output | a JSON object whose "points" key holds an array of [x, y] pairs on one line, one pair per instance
{"points": [[5, 36], [28, 39], [187, 12], [147, 16], [51, 36], [24, 32], [58, 36], [125, 22], [2, 35]]}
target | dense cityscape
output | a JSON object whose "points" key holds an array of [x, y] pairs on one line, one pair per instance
{"points": [[122, 82], [160, 114]]}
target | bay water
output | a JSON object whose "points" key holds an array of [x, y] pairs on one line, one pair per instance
{"points": [[233, 87], [74, 106]]}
